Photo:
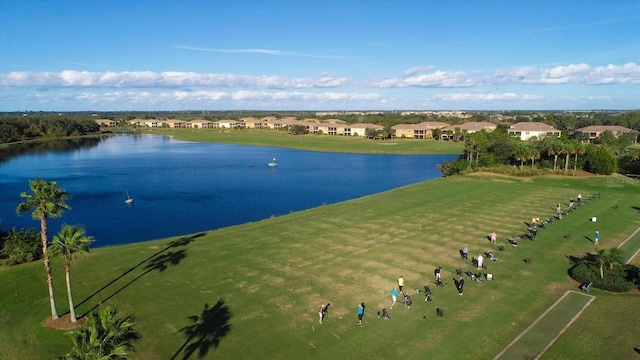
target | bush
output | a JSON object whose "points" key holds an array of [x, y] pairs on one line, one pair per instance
{"points": [[448, 168], [599, 160], [20, 246], [618, 279]]}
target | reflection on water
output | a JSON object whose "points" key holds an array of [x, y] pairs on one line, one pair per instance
{"points": [[182, 188]]}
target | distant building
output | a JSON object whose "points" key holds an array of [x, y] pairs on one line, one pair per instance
{"points": [[469, 127], [105, 122], [527, 130], [591, 133]]}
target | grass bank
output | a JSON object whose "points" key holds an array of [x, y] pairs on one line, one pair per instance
{"points": [[313, 142], [266, 280]]}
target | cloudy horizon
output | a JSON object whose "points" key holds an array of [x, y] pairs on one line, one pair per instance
{"points": [[520, 63]]}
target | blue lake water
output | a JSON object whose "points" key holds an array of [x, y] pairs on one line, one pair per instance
{"points": [[183, 187]]}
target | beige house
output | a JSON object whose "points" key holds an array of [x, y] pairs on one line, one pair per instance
{"points": [[105, 122], [175, 124], [252, 123], [200, 124], [593, 132], [468, 127], [328, 128], [412, 131], [423, 130], [527, 130]]}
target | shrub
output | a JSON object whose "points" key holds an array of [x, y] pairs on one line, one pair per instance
{"points": [[599, 160], [618, 279], [20, 246]]}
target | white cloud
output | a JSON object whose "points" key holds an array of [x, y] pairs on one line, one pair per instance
{"points": [[570, 74], [149, 79], [256, 51], [437, 78], [481, 97]]}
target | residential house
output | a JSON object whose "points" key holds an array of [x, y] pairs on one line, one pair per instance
{"points": [[359, 129], [175, 124], [449, 132], [105, 122], [527, 130], [200, 124], [252, 123], [228, 124], [591, 133]]}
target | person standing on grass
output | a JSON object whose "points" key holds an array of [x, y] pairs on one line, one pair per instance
{"points": [[579, 199], [597, 237], [394, 297], [480, 258], [438, 275], [558, 208], [400, 284], [323, 312], [360, 313]]}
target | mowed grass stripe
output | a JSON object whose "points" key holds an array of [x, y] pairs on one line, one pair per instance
{"points": [[533, 342], [274, 274]]}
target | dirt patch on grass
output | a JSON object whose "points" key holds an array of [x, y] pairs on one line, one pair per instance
{"points": [[63, 322]]}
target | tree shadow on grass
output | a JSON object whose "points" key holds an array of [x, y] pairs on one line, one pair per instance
{"points": [[183, 241], [159, 261], [208, 329]]}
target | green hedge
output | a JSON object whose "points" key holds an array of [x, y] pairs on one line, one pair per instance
{"points": [[621, 278]]}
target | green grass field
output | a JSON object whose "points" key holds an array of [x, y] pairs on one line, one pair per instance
{"points": [[269, 278]]}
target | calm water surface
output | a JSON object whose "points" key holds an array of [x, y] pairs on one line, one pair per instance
{"points": [[182, 187]]}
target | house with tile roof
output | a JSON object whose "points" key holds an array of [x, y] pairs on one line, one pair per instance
{"points": [[468, 127], [527, 130], [593, 132]]}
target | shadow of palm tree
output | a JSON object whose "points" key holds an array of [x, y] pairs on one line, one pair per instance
{"points": [[183, 241], [207, 330], [159, 263]]}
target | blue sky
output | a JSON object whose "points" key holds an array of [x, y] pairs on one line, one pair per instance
{"points": [[319, 55]]}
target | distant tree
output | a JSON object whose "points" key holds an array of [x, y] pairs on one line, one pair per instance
{"points": [[298, 129], [437, 134], [599, 160], [70, 241], [46, 199]]}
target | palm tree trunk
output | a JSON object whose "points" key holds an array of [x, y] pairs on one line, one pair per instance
{"points": [[566, 162], [72, 310], [575, 162], [47, 265], [555, 161]]}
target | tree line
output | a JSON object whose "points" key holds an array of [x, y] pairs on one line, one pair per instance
{"points": [[15, 128], [499, 150]]}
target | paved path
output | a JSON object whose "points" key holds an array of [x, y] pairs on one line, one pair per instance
{"points": [[542, 333]]}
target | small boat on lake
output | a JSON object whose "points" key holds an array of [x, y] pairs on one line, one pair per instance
{"points": [[273, 163], [129, 199]]}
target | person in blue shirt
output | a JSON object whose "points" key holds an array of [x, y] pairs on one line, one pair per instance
{"points": [[360, 313], [394, 297]]}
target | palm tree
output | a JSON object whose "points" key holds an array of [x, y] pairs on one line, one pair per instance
{"points": [[103, 336], [569, 149], [46, 200], [609, 257], [580, 149], [520, 153], [69, 241]]}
